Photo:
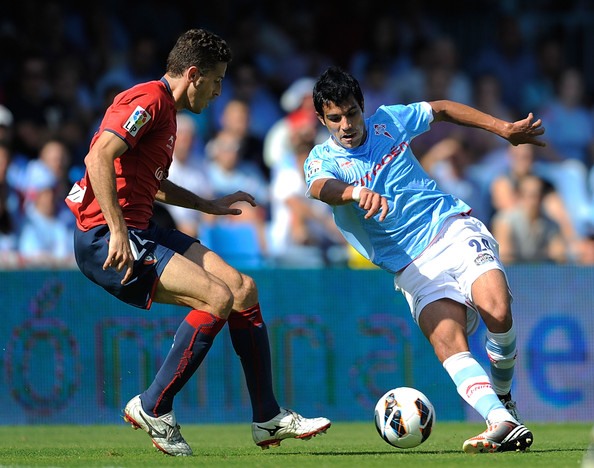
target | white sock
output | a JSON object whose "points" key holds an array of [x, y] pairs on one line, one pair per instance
{"points": [[474, 386]]}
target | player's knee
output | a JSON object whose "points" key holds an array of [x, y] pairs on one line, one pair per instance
{"points": [[244, 290], [221, 300], [499, 320], [496, 314]]}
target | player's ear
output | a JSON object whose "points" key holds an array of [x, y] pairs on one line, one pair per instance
{"points": [[193, 73], [321, 118]]}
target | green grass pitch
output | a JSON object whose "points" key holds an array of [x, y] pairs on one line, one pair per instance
{"points": [[346, 444]]}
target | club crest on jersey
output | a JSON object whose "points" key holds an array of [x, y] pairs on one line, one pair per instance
{"points": [[150, 259], [380, 129], [136, 120]]}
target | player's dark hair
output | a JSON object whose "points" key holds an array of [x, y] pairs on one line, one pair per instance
{"points": [[200, 48], [337, 86]]}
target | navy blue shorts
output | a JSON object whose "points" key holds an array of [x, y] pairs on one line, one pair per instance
{"points": [[153, 248]]}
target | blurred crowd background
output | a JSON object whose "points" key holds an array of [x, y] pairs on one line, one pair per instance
{"points": [[61, 64]]}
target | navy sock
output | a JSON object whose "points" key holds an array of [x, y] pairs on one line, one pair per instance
{"points": [[250, 341], [192, 341]]}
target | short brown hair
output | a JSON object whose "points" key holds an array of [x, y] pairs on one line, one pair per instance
{"points": [[200, 48]]}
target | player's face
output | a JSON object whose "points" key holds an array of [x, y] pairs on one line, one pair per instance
{"points": [[345, 122], [206, 87]]}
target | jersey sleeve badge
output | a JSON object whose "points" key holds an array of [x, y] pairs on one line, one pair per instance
{"points": [[314, 166], [136, 121]]}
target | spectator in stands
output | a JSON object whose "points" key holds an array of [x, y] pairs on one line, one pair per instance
{"points": [[74, 105], [550, 59], [449, 162], [525, 233], [436, 70], [142, 64], [277, 144], [6, 125], [45, 240], [385, 43], [505, 195], [486, 97], [304, 56], [567, 160], [9, 213], [30, 101], [236, 120], [55, 157], [246, 84], [509, 58], [188, 170], [377, 86], [571, 124], [227, 173], [302, 231]]}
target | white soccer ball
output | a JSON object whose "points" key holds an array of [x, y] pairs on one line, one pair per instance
{"points": [[404, 417]]}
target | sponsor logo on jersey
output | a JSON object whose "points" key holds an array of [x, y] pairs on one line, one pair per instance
{"points": [[160, 173], [137, 119], [483, 258], [387, 159]]}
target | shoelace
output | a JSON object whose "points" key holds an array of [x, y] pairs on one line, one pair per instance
{"points": [[295, 420], [173, 433]]}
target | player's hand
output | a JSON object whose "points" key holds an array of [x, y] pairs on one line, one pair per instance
{"points": [[119, 255], [373, 203], [526, 131], [222, 206]]}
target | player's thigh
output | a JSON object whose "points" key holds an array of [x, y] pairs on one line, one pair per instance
{"points": [[443, 322], [185, 282], [242, 286]]}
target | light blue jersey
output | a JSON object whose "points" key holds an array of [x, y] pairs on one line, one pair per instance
{"points": [[385, 164]]}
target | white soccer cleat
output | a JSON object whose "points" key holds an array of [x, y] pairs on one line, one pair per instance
{"points": [[163, 431], [505, 436], [287, 425]]}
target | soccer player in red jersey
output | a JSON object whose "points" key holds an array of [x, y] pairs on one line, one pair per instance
{"points": [[120, 249]]}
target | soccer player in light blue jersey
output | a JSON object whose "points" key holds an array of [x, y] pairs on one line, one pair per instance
{"points": [[443, 260]]}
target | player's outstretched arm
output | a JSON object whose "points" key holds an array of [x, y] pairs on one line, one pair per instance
{"points": [[173, 194], [522, 131], [336, 192]]}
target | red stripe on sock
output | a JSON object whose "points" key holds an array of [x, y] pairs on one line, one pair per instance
{"points": [[205, 322], [250, 317]]}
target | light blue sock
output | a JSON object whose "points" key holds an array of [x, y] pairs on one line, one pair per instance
{"points": [[502, 352], [473, 385]]}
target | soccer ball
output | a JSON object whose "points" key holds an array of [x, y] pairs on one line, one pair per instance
{"points": [[404, 417]]}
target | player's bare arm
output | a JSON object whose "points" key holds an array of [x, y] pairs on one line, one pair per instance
{"points": [[519, 132], [173, 194], [336, 192], [100, 167]]}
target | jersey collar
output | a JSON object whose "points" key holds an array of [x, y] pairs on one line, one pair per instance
{"points": [[166, 83]]}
